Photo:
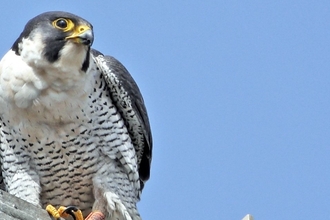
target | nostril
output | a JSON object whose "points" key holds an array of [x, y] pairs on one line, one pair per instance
{"points": [[82, 29]]}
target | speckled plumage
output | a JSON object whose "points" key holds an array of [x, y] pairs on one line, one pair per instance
{"points": [[74, 128]]}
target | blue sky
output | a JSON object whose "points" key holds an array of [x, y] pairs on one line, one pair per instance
{"points": [[237, 94]]}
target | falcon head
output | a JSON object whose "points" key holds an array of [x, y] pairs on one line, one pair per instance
{"points": [[55, 37]]}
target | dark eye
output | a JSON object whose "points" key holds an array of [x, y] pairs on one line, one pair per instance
{"points": [[61, 23]]}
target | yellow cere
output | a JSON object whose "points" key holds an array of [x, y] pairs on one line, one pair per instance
{"points": [[81, 28], [77, 32]]}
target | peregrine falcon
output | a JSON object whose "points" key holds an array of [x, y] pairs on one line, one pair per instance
{"points": [[74, 130]]}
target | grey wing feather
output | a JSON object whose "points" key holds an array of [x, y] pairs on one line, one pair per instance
{"points": [[128, 99], [2, 185]]}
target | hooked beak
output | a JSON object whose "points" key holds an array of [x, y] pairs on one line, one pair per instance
{"points": [[82, 35]]}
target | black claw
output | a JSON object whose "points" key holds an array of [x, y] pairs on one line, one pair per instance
{"points": [[71, 210]]}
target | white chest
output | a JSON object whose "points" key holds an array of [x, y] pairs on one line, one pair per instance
{"points": [[41, 96]]}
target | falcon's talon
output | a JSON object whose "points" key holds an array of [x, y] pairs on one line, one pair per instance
{"points": [[74, 212], [53, 211], [64, 212]]}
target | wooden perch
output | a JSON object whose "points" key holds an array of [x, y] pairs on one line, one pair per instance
{"points": [[13, 208]]}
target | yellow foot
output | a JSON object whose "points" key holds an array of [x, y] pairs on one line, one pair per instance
{"points": [[64, 212], [95, 215]]}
